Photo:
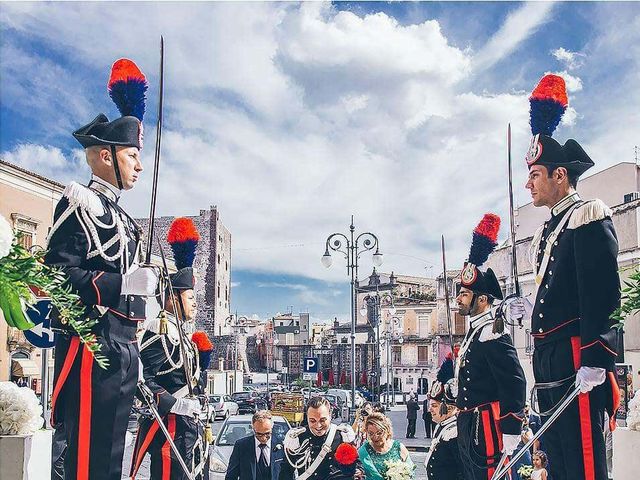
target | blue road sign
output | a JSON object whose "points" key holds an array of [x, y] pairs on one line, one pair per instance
{"points": [[41, 335], [310, 365]]}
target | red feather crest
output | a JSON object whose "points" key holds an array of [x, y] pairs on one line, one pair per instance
{"points": [[182, 230], [551, 87], [202, 341], [489, 226], [123, 70]]}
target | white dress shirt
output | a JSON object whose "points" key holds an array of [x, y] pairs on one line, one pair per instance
{"points": [[267, 451]]}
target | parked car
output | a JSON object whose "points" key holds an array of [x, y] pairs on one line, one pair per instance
{"points": [[249, 402], [344, 395], [232, 430], [223, 406]]}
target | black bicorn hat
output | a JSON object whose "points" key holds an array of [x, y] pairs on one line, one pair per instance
{"points": [[121, 132], [444, 388], [483, 244], [548, 102], [127, 88]]}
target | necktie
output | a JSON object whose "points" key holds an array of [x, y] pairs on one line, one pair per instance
{"points": [[263, 457]]}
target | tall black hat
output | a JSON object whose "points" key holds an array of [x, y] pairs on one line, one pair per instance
{"points": [[548, 102], [127, 87], [484, 242], [183, 238]]}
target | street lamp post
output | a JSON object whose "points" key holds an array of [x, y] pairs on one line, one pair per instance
{"points": [[377, 300], [269, 339], [237, 324], [351, 248], [391, 333]]}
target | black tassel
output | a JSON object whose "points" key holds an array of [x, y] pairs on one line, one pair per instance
{"points": [[443, 408]]}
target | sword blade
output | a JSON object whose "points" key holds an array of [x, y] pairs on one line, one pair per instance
{"points": [[156, 163], [514, 258], [446, 295], [147, 394], [499, 473]]}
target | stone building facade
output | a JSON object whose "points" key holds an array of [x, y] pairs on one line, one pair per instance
{"points": [[28, 203], [212, 268]]}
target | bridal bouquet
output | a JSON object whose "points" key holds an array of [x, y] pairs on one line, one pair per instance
{"points": [[398, 470], [20, 411]]}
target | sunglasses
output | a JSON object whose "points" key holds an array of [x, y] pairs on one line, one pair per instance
{"points": [[262, 435]]}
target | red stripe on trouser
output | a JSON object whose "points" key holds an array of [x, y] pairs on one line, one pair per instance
{"points": [[137, 460], [166, 448], [64, 373], [584, 413], [84, 418], [488, 440]]}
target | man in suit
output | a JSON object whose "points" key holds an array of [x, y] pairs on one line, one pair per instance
{"points": [[258, 456], [426, 417], [412, 416]]}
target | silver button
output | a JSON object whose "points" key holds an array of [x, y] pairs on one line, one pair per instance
{"points": [[552, 259], [550, 272], [464, 388], [540, 315], [542, 300], [466, 398], [546, 286], [555, 243], [540, 330], [131, 314], [468, 379]]}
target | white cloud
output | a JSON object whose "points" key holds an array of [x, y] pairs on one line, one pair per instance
{"points": [[291, 118], [571, 60], [519, 25], [47, 161]]}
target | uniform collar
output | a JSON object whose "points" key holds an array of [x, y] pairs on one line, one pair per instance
{"points": [[445, 423], [105, 188], [481, 318], [565, 203]]}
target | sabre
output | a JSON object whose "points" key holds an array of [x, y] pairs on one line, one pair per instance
{"points": [[446, 295], [156, 163], [514, 261], [147, 394], [501, 471]]}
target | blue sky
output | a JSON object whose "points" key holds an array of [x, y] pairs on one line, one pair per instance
{"points": [[292, 117]]}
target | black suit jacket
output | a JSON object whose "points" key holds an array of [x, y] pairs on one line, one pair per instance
{"points": [[242, 464]]}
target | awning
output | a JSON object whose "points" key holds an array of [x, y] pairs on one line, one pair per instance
{"points": [[24, 367]]}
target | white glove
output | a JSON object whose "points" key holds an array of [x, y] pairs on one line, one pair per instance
{"points": [[589, 377], [510, 443], [520, 308], [140, 281], [188, 407]]}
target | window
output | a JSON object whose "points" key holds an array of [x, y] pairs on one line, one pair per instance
{"points": [[26, 239], [218, 289], [218, 258], [396, 357], [226, 293], [289, 339], [423, 354], [226, 265]]}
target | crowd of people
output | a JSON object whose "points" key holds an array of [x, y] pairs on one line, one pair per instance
{"points": [[477, 402]]}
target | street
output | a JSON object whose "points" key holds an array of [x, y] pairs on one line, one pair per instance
{"points": [[417, 447]]}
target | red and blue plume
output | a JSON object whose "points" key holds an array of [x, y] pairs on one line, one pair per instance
{"points": [[446, 371], [485, 239], [201, 339], [205, 348], [183, 238], [548, 102], [127, 88]]}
